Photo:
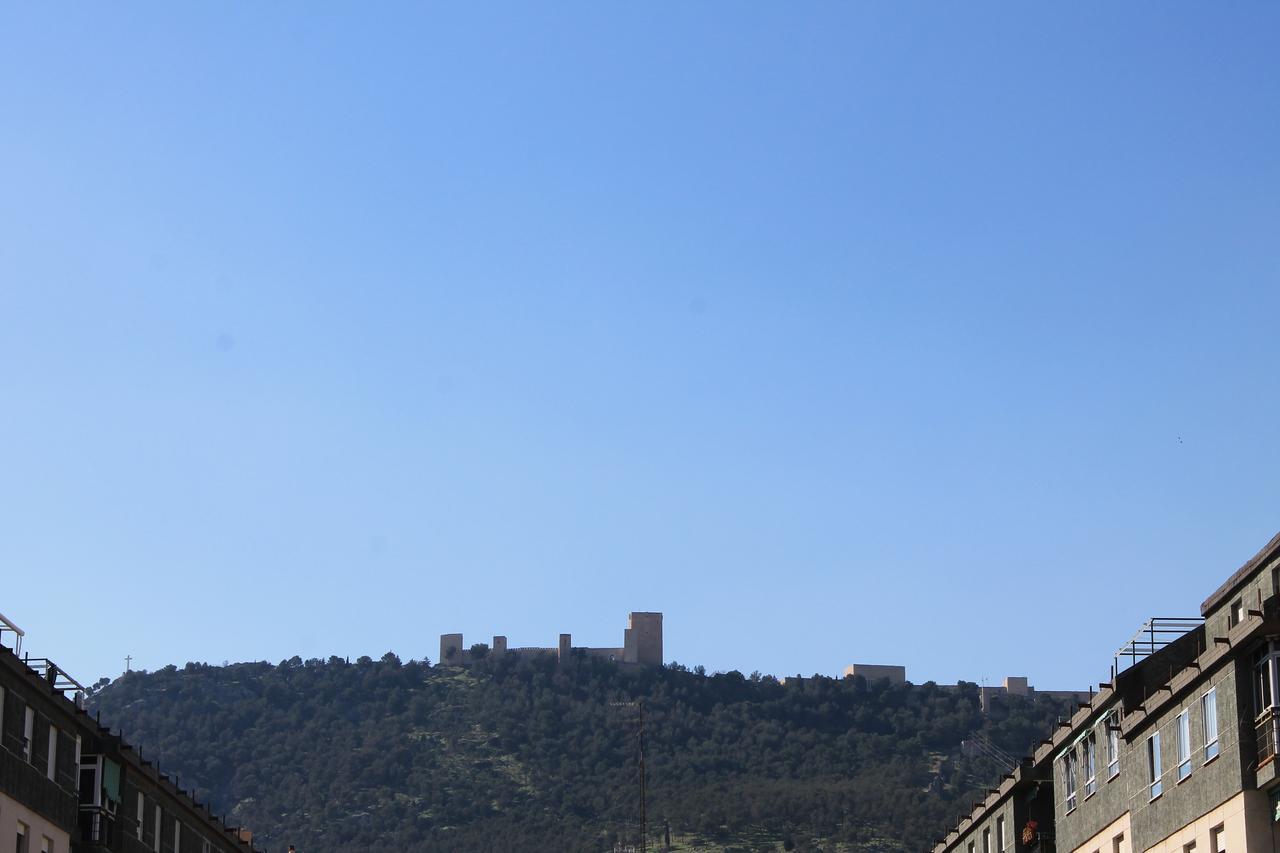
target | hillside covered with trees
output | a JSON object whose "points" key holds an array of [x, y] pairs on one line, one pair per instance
{"points": [[523, 754]]}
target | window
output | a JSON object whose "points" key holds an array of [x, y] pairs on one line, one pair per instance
{"points": [[155, 839], [46, 844], [28, 732], [20, 846], [986, 841], [1000, 834], [1117, 843], [1153, 764], [1113, 747], [1218, 839], [142, 816], [1069, 774], [1184, 745], [1264, 669], [971, 847], [1237, 613], [177, 835], [1209, 718], [51, 765], [1090, 765], [1189, 847]]}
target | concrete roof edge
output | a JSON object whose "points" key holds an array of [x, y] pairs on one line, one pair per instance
{"points": [[1271, 549]]}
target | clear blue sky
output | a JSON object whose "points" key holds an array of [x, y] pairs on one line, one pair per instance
{"points": [[936, 334]]}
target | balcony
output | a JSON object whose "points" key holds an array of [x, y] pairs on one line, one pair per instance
{"points": [[31, 787]]}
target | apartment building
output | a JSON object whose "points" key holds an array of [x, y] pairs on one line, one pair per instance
{"points": [[1176, 752], [68, 785]]}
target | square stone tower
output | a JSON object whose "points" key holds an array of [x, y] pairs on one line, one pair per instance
{"points": [[642, 640], [451, 651]]}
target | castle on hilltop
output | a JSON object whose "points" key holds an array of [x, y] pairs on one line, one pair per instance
{"points": [[641, 644]]}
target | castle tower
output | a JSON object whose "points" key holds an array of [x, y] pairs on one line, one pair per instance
{"points": [[450, 650], [566, 647], [499, 645], [642, 640]]}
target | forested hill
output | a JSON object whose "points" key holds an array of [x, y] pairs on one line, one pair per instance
{"points": [[522, 754]]}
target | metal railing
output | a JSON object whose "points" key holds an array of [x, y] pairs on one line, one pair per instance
{"points": [[1265, 729], [1156, 633], [7, 626], [21, 748]]}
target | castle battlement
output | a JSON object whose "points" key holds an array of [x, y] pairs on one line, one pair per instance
{"points": [[641, 644]]}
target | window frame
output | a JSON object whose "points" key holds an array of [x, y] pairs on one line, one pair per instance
{"points": [[1209, 709], [1182, 739], [1155, 767], [28, 732], [1113, 750], [1000, 834], [1090, 765], [51, 756], [1070, 781]]}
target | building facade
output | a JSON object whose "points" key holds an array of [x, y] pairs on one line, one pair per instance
{"points": [[1176, 753], [68, 785]]}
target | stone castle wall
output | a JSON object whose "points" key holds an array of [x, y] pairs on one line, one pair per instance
{"points": [[642, 644]]}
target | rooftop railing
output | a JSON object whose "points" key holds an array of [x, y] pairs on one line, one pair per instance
{"points": [[1156, 633], [7, 627]]}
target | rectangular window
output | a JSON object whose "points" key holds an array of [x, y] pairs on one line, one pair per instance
{"points": [[1189, 847], [1000, 834], [46, 844], [1184, 745], [972, 847], [142, 816], [177, 835], [155, 839], [1153, 765], [1117, 844], [1237, 613], [1209, 714], [51, 764], [28, 732], [986, 841], [1090, 765], [1113, 747], [1218, 839], [1069, 774], [20, 846]]}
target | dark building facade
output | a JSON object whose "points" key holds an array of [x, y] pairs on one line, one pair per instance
{"points": [[68, 785]]}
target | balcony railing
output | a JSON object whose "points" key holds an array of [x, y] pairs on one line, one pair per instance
{"points": [[1265, 727]]}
